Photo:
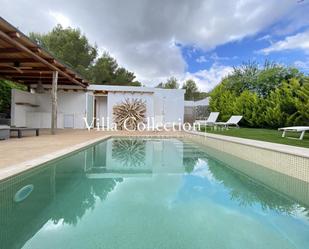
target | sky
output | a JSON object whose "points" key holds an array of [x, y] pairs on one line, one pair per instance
{"points": [[188, 39]]}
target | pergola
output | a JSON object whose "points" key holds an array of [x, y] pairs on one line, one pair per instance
{"points": [[25, 62]]}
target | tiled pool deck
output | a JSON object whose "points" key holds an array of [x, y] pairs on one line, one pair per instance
{"points": [[18, 155]]}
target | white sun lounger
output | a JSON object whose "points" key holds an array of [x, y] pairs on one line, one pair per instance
{"points": [[213, 116], [301, 129], [234, 120]]}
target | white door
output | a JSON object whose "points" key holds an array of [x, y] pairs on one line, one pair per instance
{"points": [[68, 120], [102, 109]]}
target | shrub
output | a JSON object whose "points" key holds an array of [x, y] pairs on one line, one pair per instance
{"points": [[5, 95], [273, 96]]}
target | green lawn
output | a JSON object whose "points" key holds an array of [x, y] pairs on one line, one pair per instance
{"points": [[263, 135]]}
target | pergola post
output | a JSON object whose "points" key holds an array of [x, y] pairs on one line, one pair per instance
{"points": [[54, 103]]}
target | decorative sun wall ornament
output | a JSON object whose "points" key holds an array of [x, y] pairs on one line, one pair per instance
{"points": [[129, 112]]}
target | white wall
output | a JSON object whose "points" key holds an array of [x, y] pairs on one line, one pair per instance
{"points": [[164, 105], [169, 103], [115, 98], [18, 112], [69, 103]]}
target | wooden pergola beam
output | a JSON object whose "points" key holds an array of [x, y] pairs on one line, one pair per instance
{"points": [[18, 45], [13, 34], [44, 81], [4, 51], [31, 75], [8, 50], [34, 83], [24, 72], [21, 60], [35, 77]]}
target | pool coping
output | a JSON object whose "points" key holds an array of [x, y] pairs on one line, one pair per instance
{"points": [[16, 169], [283, 148]]}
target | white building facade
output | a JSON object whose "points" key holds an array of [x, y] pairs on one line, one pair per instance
{"points": [[30, 109]]}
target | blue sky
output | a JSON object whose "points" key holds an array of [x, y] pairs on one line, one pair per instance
{"points": [[251, 49], [188, 39]]}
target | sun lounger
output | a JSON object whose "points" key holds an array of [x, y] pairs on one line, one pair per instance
{"points": [[301, 129], [210, 120], [19, 130], [4, 132], [234, 120]]}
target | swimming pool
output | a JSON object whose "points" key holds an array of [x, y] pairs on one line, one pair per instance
{"points": [[148, 193]]}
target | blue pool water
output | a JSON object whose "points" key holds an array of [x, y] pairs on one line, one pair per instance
{"points": [[153, 194]]}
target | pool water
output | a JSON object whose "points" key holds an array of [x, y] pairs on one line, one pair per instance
{"points": [[147, 193]]}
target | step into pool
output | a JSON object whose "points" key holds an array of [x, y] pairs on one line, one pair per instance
{"points": [[152, 193]]}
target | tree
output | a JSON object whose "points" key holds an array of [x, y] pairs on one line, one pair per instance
{"points": [[302, 104], [122, 75], [261, 80], [248, 105], [171, 83], [200, 95], [74, 49], [160, 85], [222, 101], [191, 89], [69, 46], [103, 71], [5, 95], [107, 72]]}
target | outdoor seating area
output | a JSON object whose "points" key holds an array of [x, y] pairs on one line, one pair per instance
{"points": [[212, 121]]}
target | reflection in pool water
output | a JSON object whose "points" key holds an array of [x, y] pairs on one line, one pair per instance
{"points": [[170, 194], [130, 152]]}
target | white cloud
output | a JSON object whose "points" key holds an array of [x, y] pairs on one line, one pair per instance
{"points": [[201, 59], [208, 79], [60, 18], [141, 33], [265, 38], [303, 65], [214, 56], [298, 41]]}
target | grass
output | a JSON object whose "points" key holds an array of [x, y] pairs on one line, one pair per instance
{"points": [[267, 135]]}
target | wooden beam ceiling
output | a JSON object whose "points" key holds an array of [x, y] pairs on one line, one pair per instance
{"points": [[21, 58]]}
